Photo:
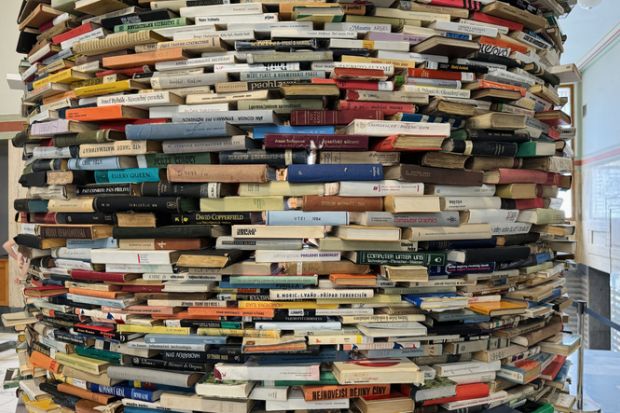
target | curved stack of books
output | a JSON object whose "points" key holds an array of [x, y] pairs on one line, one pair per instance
{"points": [[293, 206]]}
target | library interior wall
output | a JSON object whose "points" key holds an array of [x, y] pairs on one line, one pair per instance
{"points": [[9, 99]]}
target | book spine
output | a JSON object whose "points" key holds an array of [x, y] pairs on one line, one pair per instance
{"points": [[326, 142], [336, 203], [264, 157], [334, 172], [216, 218], [282, 218]]}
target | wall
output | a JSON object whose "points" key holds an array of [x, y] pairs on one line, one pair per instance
{"points": [[9, 59]]}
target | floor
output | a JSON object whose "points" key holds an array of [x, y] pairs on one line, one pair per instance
{"points": [[8, 359], [601, 379]]}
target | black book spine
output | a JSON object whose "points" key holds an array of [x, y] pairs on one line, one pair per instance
{"points": [[21, 205], [519, 239], [66, 337], [43, 165], [172, 231], [275, 84], [85, 218], [494, 148], [112, 189], [278, 45], [523, 5], [148, 16], [41, 348], [491, 58], [137, 204], [234, 356], [271, 158], [193, 3], [172, 365], [217, 218], [28, 240], [33, 179], [156, 189]]}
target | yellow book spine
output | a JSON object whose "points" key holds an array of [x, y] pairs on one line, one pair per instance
{"points": [[311, 305], [66, 76], [103, 88], [134, 328], [81, 363]]}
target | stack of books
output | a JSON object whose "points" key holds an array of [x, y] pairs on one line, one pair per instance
{"points": [[293, 206]]}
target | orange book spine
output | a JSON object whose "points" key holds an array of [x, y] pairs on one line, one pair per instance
{"points": [[502, 43], [141, 59], [84, 394], [95, 293], [100, 113], [487, 84], [55, 98], [388, 145], [42, 361], [232, 312]]}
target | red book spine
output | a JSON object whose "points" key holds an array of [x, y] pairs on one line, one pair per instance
{"points": [[127, 72], [351, 72], [324, 142], [331, 117], [461, 4], [529, 203], [485, 18], [553, 133], [46, 26], [119, 125], [511, 176], [350, 84], [70, 34], [42, 218], [434, 74], [463, 392], [86, 275], [388, 108]]}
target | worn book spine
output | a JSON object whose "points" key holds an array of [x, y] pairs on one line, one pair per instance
{"points": [[310, 141], [338, 203]]}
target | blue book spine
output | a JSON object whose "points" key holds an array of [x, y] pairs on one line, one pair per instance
{"points": [[543, 257], [93, 164], [92, 243], [126, 392], [460, 36], [169, 131], [127, 176], [96, 300], [172, 338], [37, 205], [259, 132], [417, 117], [284, 218], [338, 172]]}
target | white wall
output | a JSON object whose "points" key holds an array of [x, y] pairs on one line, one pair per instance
{"points": [[9, 59], [585, 28]]}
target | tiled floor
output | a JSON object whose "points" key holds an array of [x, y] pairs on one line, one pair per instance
{"points": [[8, 359]]}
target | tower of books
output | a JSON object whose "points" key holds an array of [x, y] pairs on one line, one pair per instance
{"points": [[293, 206]]}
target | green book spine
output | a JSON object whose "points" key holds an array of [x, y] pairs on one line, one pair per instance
{"points": [[545, 408], [103, 355], [159, 24], [458, 134], [162, 160], [326, 378], [526, 149]]}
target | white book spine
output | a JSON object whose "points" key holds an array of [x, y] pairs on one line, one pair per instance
{"points": [[140, 99], [470, 202], [465, 28], [95, 34], [227, 19], [438, 91], [469, 191], [224, 9], [380, 188], [488, 216], [269, 393], [309, 255], [312, 294], [510, 228], [360, 27]]}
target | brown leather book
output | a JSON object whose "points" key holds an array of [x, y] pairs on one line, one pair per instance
{"points": [[127, 219], [87, 406], [439, 176], [341, 203], [489, 163], [95, 398], [444, 160], [220, 173]]}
